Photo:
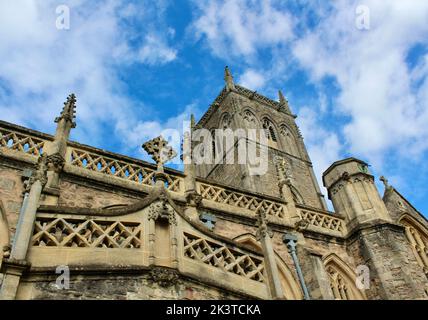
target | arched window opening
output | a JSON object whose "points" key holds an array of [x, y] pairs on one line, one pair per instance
{"points": [[226, 121], [270, 130], [338, 284], [213, 145], [290, 145], [297, 197], [342, 279], [418, 239], [250, 118]]}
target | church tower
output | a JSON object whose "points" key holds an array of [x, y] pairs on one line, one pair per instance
{"points": [[240, 109]]}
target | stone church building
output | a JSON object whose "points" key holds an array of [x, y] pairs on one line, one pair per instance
{"points": [[77, 222]]}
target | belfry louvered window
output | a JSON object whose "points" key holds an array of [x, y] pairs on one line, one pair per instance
{"points": [[269, 129]]}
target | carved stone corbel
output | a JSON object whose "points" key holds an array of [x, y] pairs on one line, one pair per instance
{"points": [[39, 174], [56, 161], [193, 198], [162, 210], [301, 225], [6, 251]]}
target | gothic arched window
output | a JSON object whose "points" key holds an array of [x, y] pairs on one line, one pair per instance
{"points": [[418, 239], [342, 279], [290, 145], [226, 121], [338, 284], [269, 129], [249, 117], [213, 145]]}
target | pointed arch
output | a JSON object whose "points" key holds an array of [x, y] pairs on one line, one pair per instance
{"points": [[271, 132], [225, 121], [289, 140], [417, 235], [250, 118], [296, 195], [213, 143], [342, 279], [290, 286]]}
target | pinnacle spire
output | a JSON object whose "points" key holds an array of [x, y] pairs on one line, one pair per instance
{"points": [[192, 121], [228, 79], [283, 102], [68, 112]]}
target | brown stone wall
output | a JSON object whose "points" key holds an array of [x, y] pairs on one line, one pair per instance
{"points": [[394, 272], [397, 206], [78, 195], [121, 287], [11, 193]]}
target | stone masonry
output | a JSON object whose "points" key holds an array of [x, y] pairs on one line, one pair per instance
{"points": [[128, 229]]}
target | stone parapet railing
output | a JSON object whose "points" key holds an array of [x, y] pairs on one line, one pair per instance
{"points": [[322, 221], [246, 202], [135, 174], [20, 139], [121, 167], [141, 240]]}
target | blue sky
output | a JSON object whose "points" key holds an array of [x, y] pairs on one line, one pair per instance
{"points": [[140, 67]]}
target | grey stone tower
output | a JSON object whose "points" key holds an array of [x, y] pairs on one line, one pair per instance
{"points": [[238, 108]]}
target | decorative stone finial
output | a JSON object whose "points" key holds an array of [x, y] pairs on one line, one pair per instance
{"points": [[228, 79], [192, 122], [160, 151], [69, 111], [385, 183], [283, 102]]}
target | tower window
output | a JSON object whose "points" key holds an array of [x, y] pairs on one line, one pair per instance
{"points": [[225, 121], [270, 131], [250, 117]]}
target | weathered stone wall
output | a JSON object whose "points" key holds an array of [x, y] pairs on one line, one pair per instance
{"points": [[310, 251], [120, 287], [394, 272], [78, 195], [11, 193], [397, 206]]}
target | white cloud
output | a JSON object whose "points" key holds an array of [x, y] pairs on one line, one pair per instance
{"points": [[171, 129], [155, 51], [323, 146], [385, 101], [387, 111], [234, 27], [252, 79], [40, 65]]}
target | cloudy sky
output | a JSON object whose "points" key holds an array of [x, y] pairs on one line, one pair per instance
{"points": [[355, 72]]}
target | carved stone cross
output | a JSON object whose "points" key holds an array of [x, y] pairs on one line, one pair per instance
{"points": [[385, 182], [160, 151]]}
